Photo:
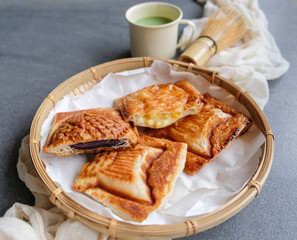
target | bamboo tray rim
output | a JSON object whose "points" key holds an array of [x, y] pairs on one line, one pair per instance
{"points": [[78, 84]]}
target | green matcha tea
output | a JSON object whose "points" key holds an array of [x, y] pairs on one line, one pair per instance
{"points": [[153, 21]]}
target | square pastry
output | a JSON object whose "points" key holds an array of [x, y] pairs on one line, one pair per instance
{"points": [[206, 133], [160, 105], [90, 130], [134, 182]]}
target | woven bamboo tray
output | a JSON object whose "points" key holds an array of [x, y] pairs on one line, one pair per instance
{"points": [[85, 80]]}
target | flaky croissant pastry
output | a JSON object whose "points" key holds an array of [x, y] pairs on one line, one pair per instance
{"points": [[160, 105]]}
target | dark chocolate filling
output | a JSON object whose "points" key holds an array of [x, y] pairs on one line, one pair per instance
{"points": [[99, 144]]}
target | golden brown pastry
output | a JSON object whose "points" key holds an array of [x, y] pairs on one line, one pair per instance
{"points": [[206, 133], [221, 137], [220, 105], [160, 105], [89, 131], [134, 182]]}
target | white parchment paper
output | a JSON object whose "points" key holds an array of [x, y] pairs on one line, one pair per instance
{"points": [[206, 191]]}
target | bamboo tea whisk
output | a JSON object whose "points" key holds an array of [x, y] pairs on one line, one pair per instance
{"points": [[223, 29]]}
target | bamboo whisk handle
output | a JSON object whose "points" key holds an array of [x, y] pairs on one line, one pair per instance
{"points": [[200, 51]]}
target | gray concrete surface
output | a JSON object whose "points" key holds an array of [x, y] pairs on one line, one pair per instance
{"points": [[42, 43]]}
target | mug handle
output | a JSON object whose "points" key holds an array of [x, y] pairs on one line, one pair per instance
{"points": [[192, 25]]}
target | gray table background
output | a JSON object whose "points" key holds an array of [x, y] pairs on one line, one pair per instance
{"points": [[42, 43]]}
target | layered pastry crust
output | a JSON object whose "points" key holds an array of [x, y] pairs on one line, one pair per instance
{"points": [[206, 133], [134, 182], [160, 105], [90, 130]]}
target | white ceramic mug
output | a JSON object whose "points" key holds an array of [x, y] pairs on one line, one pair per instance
{"points": [[156, 40]]}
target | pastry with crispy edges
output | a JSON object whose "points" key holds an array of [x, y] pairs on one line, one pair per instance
{"points": [[134, 182], [90, 130], [160, 105], [206, 133]]}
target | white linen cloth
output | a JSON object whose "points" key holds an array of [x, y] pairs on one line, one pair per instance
{"points": [[249, 64], [252, 61]]}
